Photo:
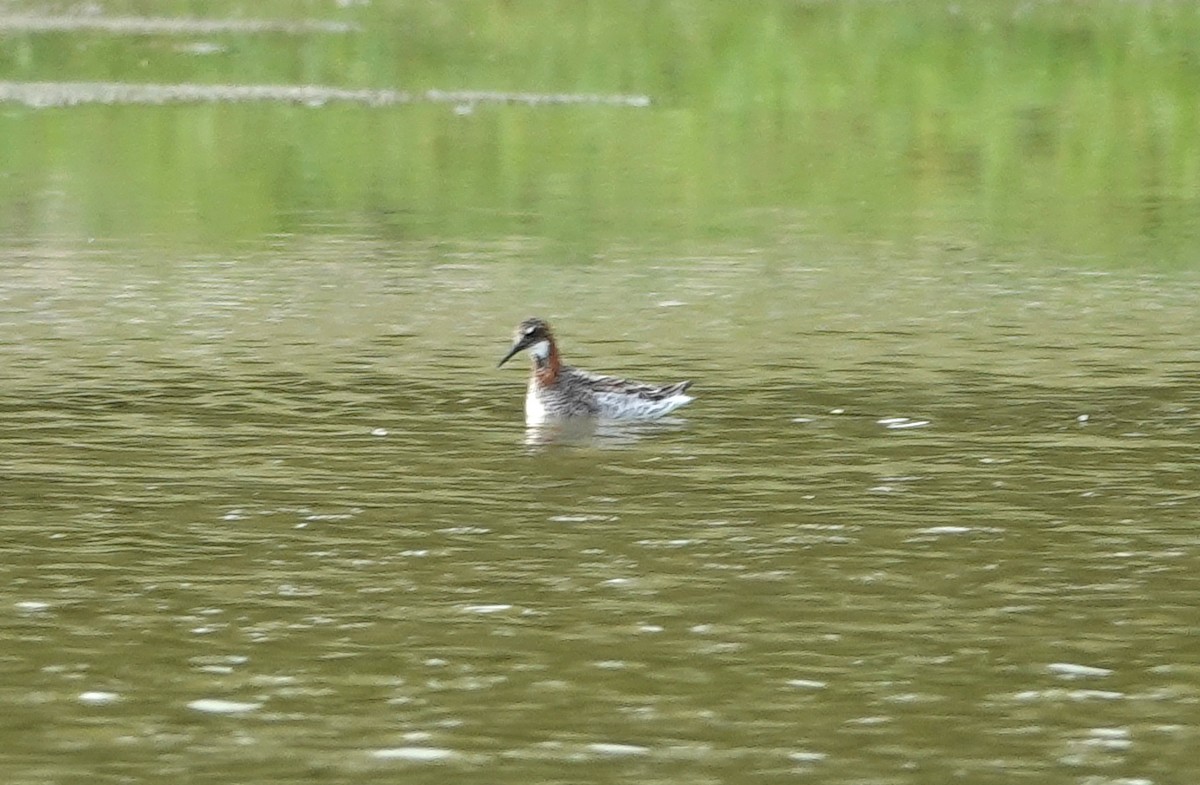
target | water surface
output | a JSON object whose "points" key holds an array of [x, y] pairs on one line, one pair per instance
{"points": [[280, 517]]}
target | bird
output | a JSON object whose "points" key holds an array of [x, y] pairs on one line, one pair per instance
{"points": [[561, 392]]}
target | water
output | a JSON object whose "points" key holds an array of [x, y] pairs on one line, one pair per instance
{"points": [[270, 510], [283, 522]]}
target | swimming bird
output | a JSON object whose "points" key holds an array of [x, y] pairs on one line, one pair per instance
{"points": [[560, 392]]}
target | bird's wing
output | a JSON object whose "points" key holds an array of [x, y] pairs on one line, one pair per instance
{"points": [[614, 384]]}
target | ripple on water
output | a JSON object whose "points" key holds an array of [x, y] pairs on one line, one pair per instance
{"points": [[486, 610], [807, 757], [902, 423], [414, 754], [1070, 670], [165, 25], [220, 706], [49, 94], [1058, 695], [613, 749]]}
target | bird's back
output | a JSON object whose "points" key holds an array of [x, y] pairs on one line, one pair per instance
{"points": [[612, 397]]}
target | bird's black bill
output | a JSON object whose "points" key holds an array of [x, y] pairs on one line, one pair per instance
{"points": [[516, 348]]}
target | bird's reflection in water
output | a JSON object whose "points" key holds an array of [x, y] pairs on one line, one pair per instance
{"points": [[590, 432]]}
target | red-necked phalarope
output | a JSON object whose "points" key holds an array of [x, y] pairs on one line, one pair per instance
{"points": [[558, 391]]}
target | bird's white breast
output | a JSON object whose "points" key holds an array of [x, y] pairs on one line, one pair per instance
{"points": [[535, 410]]}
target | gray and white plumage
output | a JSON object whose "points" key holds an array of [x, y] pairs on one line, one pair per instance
{"points": [[558, 391]]}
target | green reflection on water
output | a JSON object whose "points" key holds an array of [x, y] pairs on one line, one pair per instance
{"points": [[1044, 127]]}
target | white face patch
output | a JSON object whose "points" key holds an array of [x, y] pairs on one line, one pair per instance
{"points": [[540, 350]]}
